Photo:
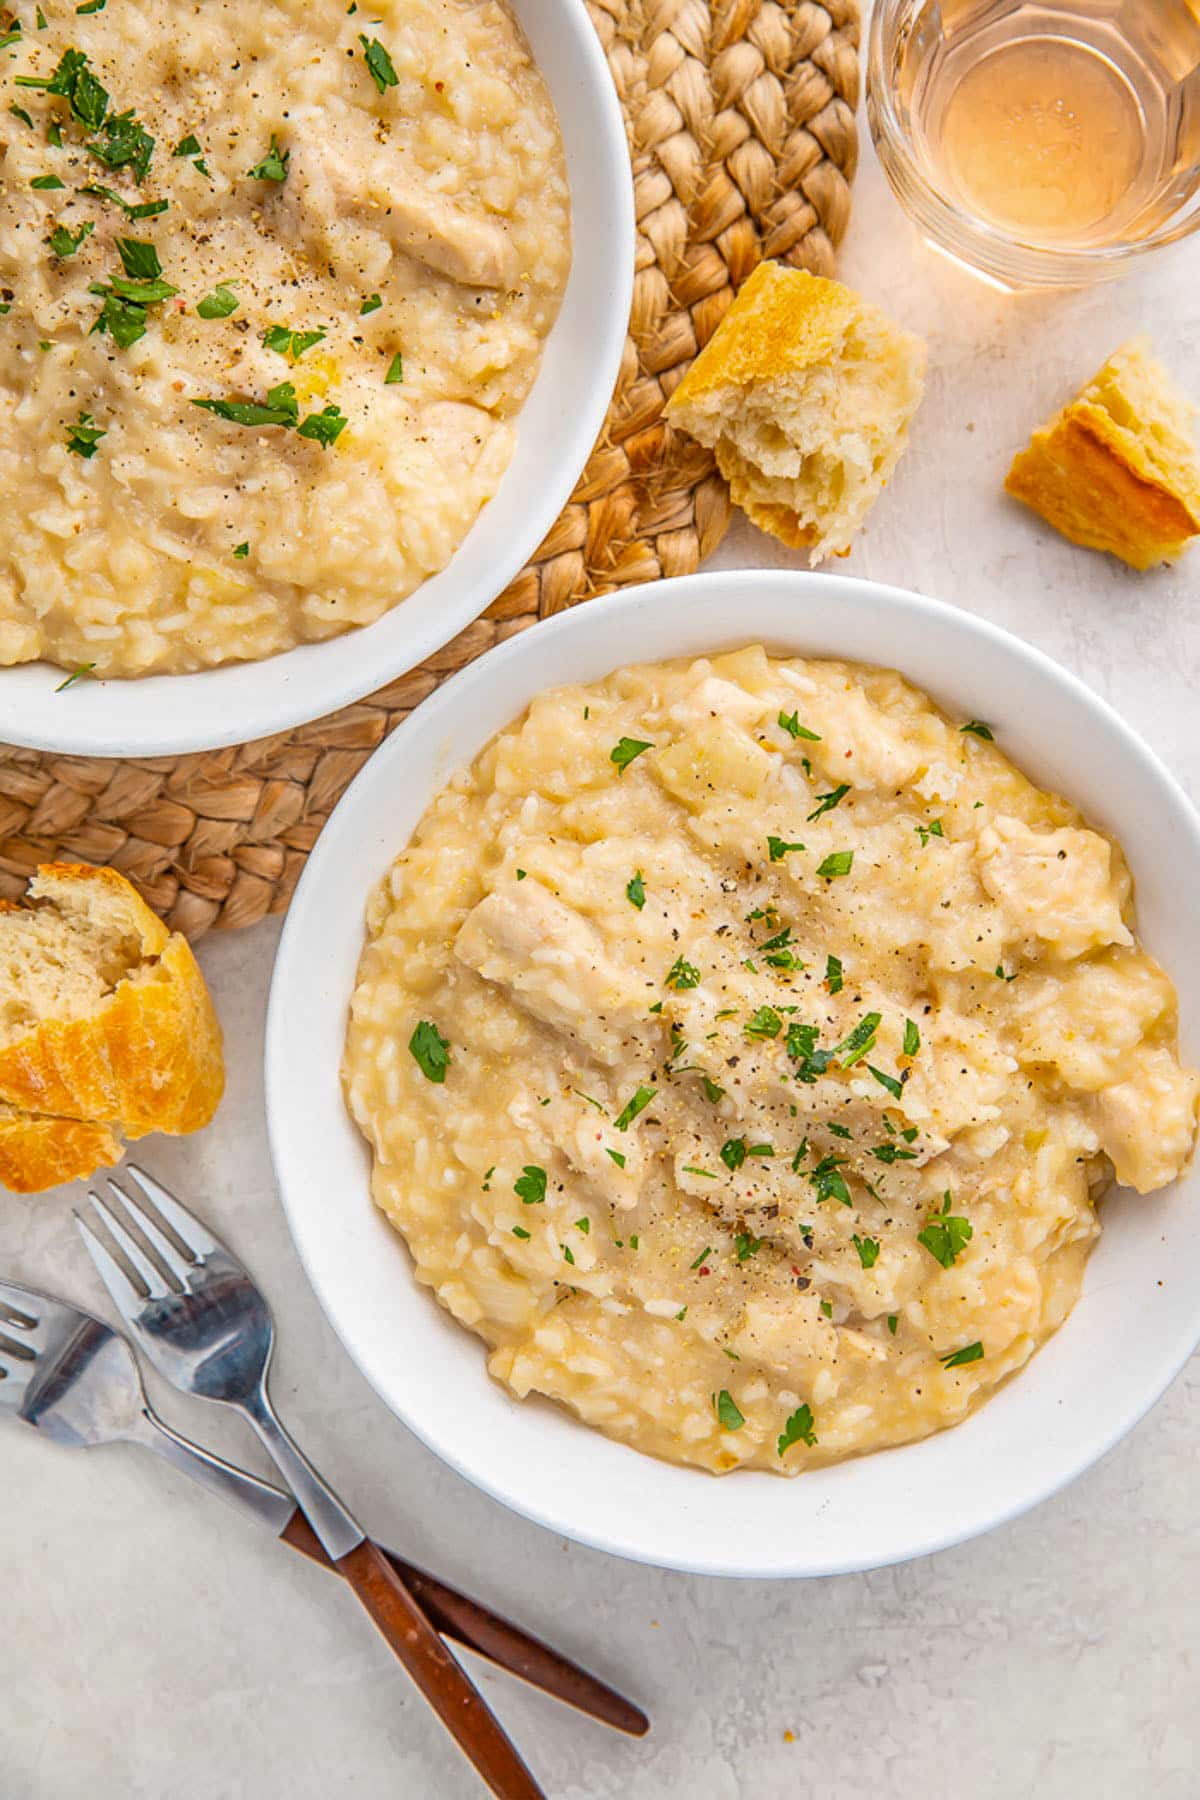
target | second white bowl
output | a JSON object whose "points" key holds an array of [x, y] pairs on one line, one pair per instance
{"points": [[1139, 1315]]}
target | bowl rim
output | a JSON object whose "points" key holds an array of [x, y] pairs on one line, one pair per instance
{"points": [[239, 702], [1025, 1488]]}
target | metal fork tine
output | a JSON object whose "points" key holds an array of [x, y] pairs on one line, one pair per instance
{"points": [[122, 1292], [14, 1379], [184, 1224], [18, 1300], [179, 1266], [153, 1277]]}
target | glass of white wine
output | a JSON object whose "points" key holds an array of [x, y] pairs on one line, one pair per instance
{"points": [[1040, 144]]}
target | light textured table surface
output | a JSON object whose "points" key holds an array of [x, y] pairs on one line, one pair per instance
{"points": [[156, 1648]]}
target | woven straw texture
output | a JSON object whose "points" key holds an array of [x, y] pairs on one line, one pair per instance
{"points": [[741, 125]]}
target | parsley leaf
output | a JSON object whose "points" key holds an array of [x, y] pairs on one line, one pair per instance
{"points": [[828, 1181], [65, 242], [798, 1430], [711, 1090], [519, 1231], [959, 1358], [395, 371], [633, 1107], [219, 304], [766, 1023], [84, 435], [126, 143], [827, 802], [242, 550], [727, 1413], [431, 1051], [530, 1185], [893, 1319], [617, 1157], [733, 1152], [746, 1245], [838, 862], [44, 183], [894, 1087], [790, 722], [868, 1250], [833, 974], [188, 146], [945, 1236], [325, 427], [371, 304], [635, 891], [140, 260], [280, 408], [779, 848], [79, 674], [978, 729], [912, 1038], [290, 343], [626, 751], [274, 165], [925, 832], [682, 975], [853, 1048], [378, 61]]}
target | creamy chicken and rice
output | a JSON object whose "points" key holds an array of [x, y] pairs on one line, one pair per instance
{"points": [[744, 1047], [274, 282]]}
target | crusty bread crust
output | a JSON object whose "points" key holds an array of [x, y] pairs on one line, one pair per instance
{"points": [[147, 1058], [1113, 470]]}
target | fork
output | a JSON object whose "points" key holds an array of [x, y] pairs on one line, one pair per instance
{"points": [[71, 1377], [208, 1330]]}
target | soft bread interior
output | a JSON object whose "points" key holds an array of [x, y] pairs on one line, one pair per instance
{"points": [[61, 956], [1141, 398], [810, 448]]}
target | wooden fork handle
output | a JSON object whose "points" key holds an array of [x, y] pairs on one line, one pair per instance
{"points": [[442, 1680], [456, 1615]]}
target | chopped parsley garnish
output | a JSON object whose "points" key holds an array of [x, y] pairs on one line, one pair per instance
{"points": [[617, 1156], [1001, 976], [827, 1309], [79, 674], [280, 408], [801, 1046], [431, 1051], [274, 165], [946, 1237], [568, 1254], [711, 1090], [838, 862], [894, 1087], [702, 1258], [729, 1417], [371, 304], [219, 304], [868, 1250], [84, 435], [828, 1181], [959, 1358], [833, 974], [733, 1152], [519, 1231], [378, 61], [18, 112], [292, 344], [839, 1130], [682, 975], [635, 891], [853, 1048], [798, 1430], [11, 37], [126, 144], [925, 832], [746, 1245], [632, 1108], [46, 182], [892, 1153], [912, 1038], [147, 209], [73, 82], [690, 1169], [91, 6], [626, 751], [827, 802], [790, 722], [766, 1023], [978, 729], [242, 550], [634, 1241], [530, 1185], [395, 371], [140, 261], [188, 146], [65, 242], [779, 848], [893, 1319]]}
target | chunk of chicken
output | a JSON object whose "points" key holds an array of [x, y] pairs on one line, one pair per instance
{"points": [[1147, 1124], [553, 962], [1059, 886]]}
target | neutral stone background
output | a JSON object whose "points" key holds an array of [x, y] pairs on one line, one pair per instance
{"points": [[156, 1648]]}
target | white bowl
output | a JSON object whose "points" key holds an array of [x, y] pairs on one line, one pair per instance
{"points": [[1139, 1315], [558, 425]]}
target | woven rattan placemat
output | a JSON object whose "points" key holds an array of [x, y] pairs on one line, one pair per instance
{"points": [[741, 124]]}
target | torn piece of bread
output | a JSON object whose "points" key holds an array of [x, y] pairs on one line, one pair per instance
{"points": [[1117, 469], [805, 393], [106, 1028]]}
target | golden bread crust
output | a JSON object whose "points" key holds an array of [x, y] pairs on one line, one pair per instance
{"points": [[781, 319], [38, 1153], [148, 1057], [1105, 481]]}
